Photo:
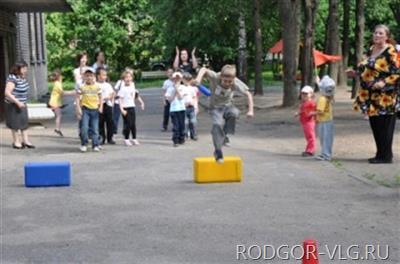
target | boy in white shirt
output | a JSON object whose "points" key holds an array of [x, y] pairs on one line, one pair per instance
{"points": [[174, 95], [191, 105], [167, 83], [106, 118]]}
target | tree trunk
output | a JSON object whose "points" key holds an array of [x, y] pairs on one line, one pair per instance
{"points": [[258, 43], [290, 20], [332, 37], [360, 23], [242, 59], [395, 7], [307, 68], [345, 44]]}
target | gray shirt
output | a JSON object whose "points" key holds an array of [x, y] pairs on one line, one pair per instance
{"points": [[220, 96]]}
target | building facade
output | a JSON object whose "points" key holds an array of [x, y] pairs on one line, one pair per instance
{"points": [[22, 37]]}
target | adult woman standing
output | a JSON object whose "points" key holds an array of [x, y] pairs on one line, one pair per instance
{"points": [[378, 92], [182, 63], [16, 96], [81, 60], [100, 61]]}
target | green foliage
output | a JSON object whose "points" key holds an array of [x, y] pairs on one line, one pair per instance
{"points": [[122, 29], [131, 33]]}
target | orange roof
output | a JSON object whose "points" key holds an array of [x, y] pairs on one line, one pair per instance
{"points": [[278, 47]]}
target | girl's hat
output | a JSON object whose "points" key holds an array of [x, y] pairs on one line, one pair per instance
{"points": [[307, 89], [327, 86], [177, 75]]}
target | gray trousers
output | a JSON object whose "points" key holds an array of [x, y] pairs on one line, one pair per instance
{"points": [[325, 133], [224, 122]]}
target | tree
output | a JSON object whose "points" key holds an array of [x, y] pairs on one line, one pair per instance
{"points": [[345, 43], [332, 37], [310, 10], [242, 56], [360, 21], [258, 89], [124, 30], [289, 14]]}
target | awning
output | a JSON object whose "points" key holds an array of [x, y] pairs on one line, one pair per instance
{"points": [[22, 6], [322, 58], [319, 57]]}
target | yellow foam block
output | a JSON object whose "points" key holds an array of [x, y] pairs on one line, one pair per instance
{"points": [[207, 170]]}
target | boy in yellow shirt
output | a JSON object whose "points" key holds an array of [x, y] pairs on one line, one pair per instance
{"points": [[89, 105]]}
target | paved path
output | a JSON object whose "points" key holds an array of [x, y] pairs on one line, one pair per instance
{"points": [[139, 204]]}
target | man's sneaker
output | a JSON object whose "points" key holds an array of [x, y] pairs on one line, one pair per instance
{"points": [[226, 143], [96, 149], [135, 142], [195, 138], [83, 148], [112, 142], [219, 158], [127, 142]]}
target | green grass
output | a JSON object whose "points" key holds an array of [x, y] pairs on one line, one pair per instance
{"points": [[267, 79], [149, 83]]}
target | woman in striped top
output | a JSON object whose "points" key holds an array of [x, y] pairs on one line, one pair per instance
{"points": [[16, 96]]}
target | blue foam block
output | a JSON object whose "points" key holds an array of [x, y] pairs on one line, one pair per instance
{"points": [[42, 174]]}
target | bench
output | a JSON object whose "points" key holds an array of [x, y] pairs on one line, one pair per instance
{"points": [[152, 75], [39, 112]]}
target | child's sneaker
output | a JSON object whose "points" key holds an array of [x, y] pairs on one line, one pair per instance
{"points": [[83, 148], [96, 149], [58, 132], [128, 142], [135, 142], [323, 158], [227, 143], [307, 154], [219, 158]]}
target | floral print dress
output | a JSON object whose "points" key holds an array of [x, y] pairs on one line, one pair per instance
{"points": [[379, 101]]}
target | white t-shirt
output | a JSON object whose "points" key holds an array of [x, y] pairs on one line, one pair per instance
{"points": [[176, 104], [127, 95], [117, 87], [78, 76], [167, 83], [106, 91], [189, 95]]}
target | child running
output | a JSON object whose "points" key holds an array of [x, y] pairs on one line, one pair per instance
{"points": [[224, 114], [307, 119], [56, 99], [127, 95]]}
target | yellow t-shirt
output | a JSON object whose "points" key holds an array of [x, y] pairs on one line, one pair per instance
{"points": [[324, 105], [56, 95], [90, 95]]}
